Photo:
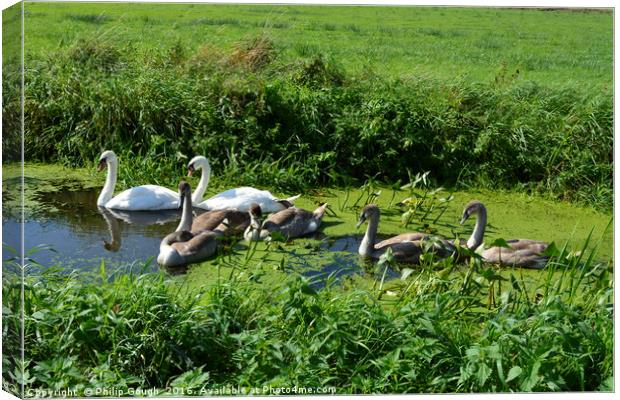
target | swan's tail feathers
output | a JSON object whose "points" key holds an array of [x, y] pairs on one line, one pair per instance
{"points": [[319, 212], [288, 202], [293, 198]]}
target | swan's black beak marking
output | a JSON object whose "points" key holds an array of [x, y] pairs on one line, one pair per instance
{"points": [[465, 216], [190, 170], [102, 165], [361, 221]]}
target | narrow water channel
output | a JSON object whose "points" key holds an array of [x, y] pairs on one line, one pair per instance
{"points": [[71, 232]]}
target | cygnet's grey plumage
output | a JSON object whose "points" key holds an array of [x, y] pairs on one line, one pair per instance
{"points": [[291, 223], [406, 247], [228, 222], [525, 253], [184, 246]]}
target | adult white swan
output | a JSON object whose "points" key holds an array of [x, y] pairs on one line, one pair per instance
{"points": [[139, 198], [238, 199]]}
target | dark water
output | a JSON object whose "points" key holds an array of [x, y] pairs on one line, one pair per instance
{"points": [[71, 231]]}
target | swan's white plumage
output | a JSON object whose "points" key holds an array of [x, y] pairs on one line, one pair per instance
{"points": [[153, 197], [241, 198], [145, 197]]}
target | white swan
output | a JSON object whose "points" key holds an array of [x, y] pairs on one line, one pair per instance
{"points": [[139, 198], [238, 199], [199, 162]]}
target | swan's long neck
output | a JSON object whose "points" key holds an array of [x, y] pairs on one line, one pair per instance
{"points": [[110, 183], [477, 235], [370, 237], [203, 183], [186, 216], [253, 231]]}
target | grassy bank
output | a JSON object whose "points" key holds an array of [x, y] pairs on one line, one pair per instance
{"points": [[267, 113], [469, 330], [308, 123]]}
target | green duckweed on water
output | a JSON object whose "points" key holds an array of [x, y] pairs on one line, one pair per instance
{"points": [[510, 214]]}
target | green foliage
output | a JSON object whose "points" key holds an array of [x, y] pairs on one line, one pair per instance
{"points": [[11, 82], [436, 336], [295, 125]]}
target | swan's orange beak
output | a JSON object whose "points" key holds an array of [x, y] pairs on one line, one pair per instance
{"points": [[190, 170], [102, 165]]}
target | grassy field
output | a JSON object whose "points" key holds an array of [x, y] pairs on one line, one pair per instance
{"points": [[550, 47], [287, 97]]}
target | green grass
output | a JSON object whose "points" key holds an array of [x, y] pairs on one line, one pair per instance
{"points": [[11, 81], [469, 330], [446, 43]]}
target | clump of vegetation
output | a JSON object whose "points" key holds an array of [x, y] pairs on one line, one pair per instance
{"points": [[254, 53], [11, 82], [319, 72], [249, 105], [96, 19], [264, 115], [96, 53], [468, 330]]}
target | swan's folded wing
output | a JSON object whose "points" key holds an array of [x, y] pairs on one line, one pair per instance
{"points": [[236, 221], [403, 237], [534, 246], [202, 244], [408, 252], [288, 219], [146, 197], [522, 253], [208, 221], [178, 237]]}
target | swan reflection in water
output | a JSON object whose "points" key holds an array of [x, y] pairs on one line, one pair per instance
{"points": [[114, 230], [160, 217], [141, 218]]}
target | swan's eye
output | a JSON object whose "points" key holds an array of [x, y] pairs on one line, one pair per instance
{"points": [[102, 164]]}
